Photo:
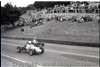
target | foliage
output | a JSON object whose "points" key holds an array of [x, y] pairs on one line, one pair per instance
{"points": [[47, 4], [30, 7], [9, 14]]}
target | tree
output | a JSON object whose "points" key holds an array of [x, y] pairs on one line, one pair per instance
{"points": [[47, 4], [30, 7], [9, 14], [3, 19]]}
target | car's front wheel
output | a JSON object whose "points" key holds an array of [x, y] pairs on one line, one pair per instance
{"points": [[18, 49]]}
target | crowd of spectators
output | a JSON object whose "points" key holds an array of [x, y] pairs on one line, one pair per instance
{"points": [[72, 8], [76, 7]]}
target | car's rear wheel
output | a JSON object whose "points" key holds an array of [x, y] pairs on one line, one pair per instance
{"points": [[42, 50], [18, 49], [31, 52]]}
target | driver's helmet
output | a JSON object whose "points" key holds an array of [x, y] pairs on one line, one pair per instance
{"points": [[29, 42]]}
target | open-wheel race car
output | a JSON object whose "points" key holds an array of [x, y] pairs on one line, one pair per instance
{"points": [[32, 48]]}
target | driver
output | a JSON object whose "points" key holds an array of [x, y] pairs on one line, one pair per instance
{"points": [[35, 40], [28, 45]]}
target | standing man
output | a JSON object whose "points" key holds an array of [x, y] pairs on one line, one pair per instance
{"points": [[35, 40]]}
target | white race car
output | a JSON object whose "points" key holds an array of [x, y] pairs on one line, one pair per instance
{"points": [[32, 48]]}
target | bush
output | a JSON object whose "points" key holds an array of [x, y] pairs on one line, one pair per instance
{"points": [[87, 18], [22, 30]]}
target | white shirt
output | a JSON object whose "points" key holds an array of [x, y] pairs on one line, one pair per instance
{"points": [[34, 41], [27, 46]]}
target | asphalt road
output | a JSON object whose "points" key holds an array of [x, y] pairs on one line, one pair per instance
{"points": [[55, 55]]}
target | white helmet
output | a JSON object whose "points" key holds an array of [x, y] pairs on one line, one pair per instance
{"points": [[29, 42]]}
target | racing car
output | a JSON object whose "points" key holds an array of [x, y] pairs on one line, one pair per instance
{"points": [[32, 48]]}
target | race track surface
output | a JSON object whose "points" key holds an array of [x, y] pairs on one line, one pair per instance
{"points": [[55, 55]]}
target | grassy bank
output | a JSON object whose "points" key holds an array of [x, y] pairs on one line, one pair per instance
{"points": [[63, 31]]}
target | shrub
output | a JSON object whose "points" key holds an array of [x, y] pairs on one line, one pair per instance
{"points": [[22, 30], [87, 18]]}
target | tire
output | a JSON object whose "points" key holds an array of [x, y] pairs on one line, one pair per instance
{"points": [[42, 50], [31, 52], [19, 49], [42, 44]]}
